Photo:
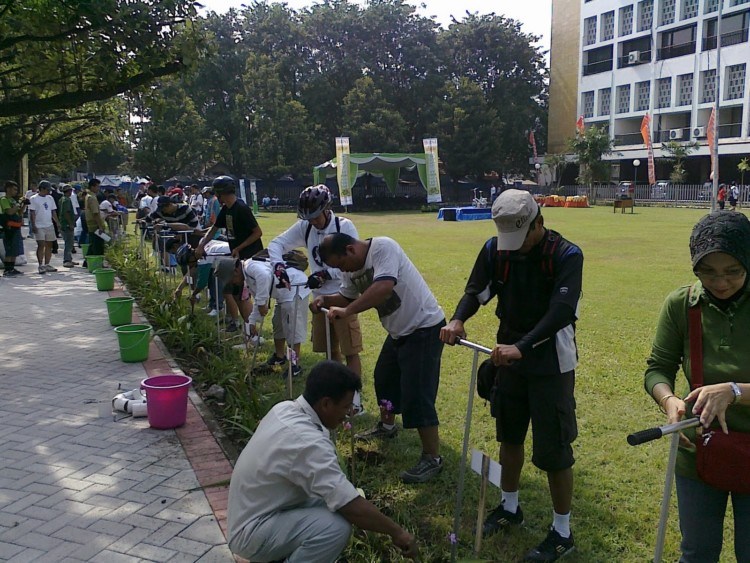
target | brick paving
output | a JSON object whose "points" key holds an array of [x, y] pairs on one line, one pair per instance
{"points": [[78, 486]]}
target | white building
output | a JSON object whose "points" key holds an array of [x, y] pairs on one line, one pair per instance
{"points": [[659, 56]]}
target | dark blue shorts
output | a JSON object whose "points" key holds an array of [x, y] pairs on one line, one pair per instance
{"points": [[548, 402], [407, 374], [10, 240]]}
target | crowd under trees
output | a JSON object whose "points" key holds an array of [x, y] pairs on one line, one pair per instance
{"points": [[154, 87]]}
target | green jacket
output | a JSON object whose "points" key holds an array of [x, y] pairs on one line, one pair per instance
{"points": [[726, 354]]}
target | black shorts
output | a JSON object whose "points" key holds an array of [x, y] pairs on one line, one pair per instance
{"points": [[548, 402], [407, 374], [11, 236]]}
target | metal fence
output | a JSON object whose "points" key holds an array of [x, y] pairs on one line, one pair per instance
{"points": [[694, 195]]}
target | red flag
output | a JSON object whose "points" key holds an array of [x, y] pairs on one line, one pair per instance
{"points": [[532, 140], [646, 134], [711, 135], [580, 125]]}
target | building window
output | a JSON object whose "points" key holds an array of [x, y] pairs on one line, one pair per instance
{"points": [[626, 20], [605, 101], [597, 60], [735, 87], [645, 15], [623, 98], [608, 26], [677, 42], [734, 30], [587, 103], [685, 90], [642, 95], [664, 92], [710, 6], [708, 86], [689, 9], [734, 3], [666, 16], [589, 30]]}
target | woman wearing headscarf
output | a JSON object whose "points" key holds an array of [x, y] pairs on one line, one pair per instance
{"points": [[705, 328]]}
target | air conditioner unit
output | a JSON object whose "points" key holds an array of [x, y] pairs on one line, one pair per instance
{"points": [[699, 132], [634, 57], [675, 134]]}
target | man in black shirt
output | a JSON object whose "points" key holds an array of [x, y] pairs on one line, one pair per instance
{"points": [[536, 275], [243, 231]]}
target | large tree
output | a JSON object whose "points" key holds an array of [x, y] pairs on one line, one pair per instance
{"points": [[372, 124], [57, 55]]}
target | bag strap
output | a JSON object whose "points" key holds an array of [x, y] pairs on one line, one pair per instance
{"points": [[695, 337]]}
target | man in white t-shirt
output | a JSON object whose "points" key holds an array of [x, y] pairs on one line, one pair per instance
{"points": [[196, 200], [42, 220], [377, 274]]}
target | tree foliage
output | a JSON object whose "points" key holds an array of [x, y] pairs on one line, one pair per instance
{"points": [[676, 153], [589, 147]]}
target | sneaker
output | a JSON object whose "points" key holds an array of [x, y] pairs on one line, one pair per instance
{"points": [[50, 268], [553, 547], [500, 519], [12, 273], [426, 468], [75, 263], [231, 326], [68, 264], [377, 432], [213, 313], [42, 270], [296, 371], [274, 360]]}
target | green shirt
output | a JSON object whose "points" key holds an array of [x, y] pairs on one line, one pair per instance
{"points": [[6, 203], [726, 354], [67, 216]]}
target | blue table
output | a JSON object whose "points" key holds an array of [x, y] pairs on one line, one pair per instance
{"points": [[464, 213]]}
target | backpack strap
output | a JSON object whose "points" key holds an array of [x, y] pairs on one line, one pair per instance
{"points": [[338, 225], [551, 242], [695, 337], [309, 229]]}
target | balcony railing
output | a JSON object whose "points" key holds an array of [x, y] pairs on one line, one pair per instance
{"points": [[727, 39], [595, 68], [643, 58], [675, 51], [730, 130], [666, 135], [628, 139]]}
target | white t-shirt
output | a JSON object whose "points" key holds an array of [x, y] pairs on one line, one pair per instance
{"points": [[261, 284], [106, 208], [145, 202], [412, 305], [154, 204], [196, 203], [289, 460], [294, 237], [43, 206]]}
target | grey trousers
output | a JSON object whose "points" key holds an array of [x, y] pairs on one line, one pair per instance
{"points": [[309, 533], [69, 242]]}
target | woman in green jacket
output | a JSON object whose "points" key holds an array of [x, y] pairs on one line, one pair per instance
{"points": [[720, 253]]}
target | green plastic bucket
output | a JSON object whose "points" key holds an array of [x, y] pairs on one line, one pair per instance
{"points": [[120, 310], [94, 263], [134, 340], [85, 248], [105, 279]]}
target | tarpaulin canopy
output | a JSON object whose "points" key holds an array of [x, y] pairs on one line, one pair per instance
{"points": [[387, 165]]}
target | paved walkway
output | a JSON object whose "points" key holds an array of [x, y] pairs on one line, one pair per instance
{"points": [[76, 485]]}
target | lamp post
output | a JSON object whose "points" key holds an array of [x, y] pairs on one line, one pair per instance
{"points": [[537, 167], [636, 164]]}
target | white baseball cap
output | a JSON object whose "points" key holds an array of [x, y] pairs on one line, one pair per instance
{"points": [[513, 212]]}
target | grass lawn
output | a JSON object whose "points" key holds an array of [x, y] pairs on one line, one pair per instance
{"points": [[631, 263]]}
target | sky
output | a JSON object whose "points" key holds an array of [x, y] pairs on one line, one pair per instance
{"points": [[535, 15]]}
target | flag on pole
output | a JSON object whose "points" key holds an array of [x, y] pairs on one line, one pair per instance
{"points": [[580, 125], [646, 134], [532, 140], [432, 170], [342, 170], [711, 135]]}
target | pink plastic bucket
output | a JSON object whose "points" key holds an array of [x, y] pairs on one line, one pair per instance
{"points": [[166, 400]]}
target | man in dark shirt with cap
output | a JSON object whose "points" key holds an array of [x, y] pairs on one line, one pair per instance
{"points": [[536, 275]]}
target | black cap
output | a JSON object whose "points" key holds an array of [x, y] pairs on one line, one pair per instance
{"points": [[163, 200]]}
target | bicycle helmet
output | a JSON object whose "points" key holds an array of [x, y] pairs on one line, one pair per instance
{"points": [[313, 201], [224, 185]]}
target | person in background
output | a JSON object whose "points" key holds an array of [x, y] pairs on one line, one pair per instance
{"points": [[81, 198], [42, 221], [734, 195], [94, 219], [720, 256], [377, 274], [536, 276], [110, 215], [288, 497], [11, 217], [211, 208], [243, 232], [721, 196], [196, 200], [67, 225]]}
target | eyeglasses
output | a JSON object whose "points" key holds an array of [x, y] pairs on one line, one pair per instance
{"points": [[734, 274]]}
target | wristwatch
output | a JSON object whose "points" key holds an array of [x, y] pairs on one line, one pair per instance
{"points": [[736, 390]]}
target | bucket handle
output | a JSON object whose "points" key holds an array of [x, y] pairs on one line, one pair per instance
{"points": [[147, 335]]}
